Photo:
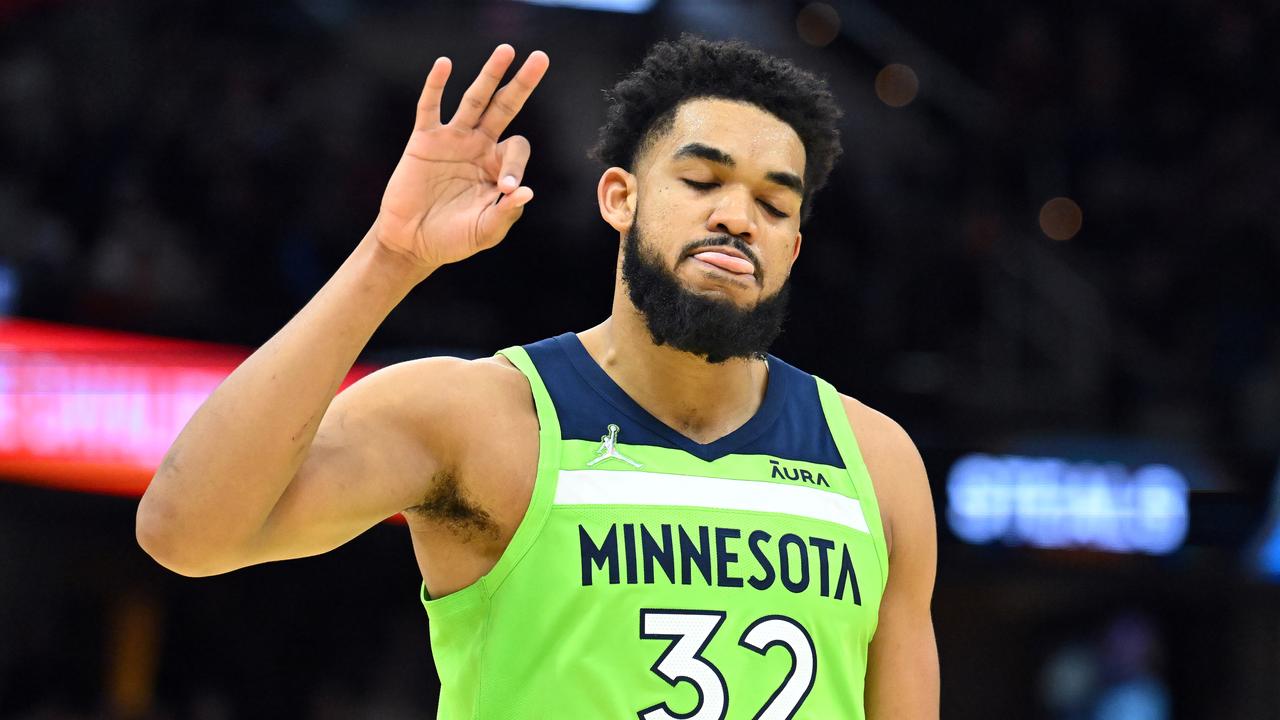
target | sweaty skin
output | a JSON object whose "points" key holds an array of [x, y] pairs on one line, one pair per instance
{"points": [[274, 466]]}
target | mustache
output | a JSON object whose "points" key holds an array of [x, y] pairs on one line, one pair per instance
{"points": [[724, 241]]}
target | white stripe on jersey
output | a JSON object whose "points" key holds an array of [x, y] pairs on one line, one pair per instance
{"points": [[631, 487]]}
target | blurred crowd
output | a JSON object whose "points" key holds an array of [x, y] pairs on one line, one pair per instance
{"points": [[1160, 121], [198, 169]]}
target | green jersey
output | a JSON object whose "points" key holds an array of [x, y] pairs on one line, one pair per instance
{"points": [[659, 578]]}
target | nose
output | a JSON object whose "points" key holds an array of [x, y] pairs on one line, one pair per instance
{"points": [[733, 215]]}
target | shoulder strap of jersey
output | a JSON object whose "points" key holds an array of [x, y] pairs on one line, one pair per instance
{"points": [[544, 487], [847, 444]]}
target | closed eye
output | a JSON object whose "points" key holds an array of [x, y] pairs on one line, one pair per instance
{"points": [[700, 185], [705, 186], [772, 210]]}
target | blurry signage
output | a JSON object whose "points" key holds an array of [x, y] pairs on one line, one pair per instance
{"points": [[1055, 503], [92, 410]]}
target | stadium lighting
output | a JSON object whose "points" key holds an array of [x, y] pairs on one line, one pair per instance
{"points": [[633, 7]]}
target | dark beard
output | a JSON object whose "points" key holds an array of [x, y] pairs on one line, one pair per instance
{"points": [[710, 327]]}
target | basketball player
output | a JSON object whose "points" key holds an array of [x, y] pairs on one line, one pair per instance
{"points": [[651, 518]]}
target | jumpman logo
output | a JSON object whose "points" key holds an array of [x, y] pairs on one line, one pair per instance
{"points": [[608, 449]]}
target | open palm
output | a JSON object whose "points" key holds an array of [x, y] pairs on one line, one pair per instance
{"points": [[456, 190]]}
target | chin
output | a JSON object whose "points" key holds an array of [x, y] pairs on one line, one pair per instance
{"points": [[743, 299], [736, 291]]}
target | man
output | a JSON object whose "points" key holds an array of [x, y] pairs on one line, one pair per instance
{"points": [[620, 522]]}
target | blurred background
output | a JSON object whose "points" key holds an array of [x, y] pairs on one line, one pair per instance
{"points": [[1051, 251]]}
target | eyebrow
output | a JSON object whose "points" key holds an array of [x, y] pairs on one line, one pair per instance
{"points": [[720, 157]]}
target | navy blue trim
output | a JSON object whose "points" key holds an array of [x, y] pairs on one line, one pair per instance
{"points": [[590, 370], [790, 423]]}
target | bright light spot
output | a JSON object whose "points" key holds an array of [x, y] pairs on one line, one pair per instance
{"points": [[1061, 218], [818, 24], [1269, 555], [897, 85], [1269, 551]]}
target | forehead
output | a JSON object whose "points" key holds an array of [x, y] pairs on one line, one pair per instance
{"points": [[742, 130]]}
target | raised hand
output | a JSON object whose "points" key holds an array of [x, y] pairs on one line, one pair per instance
{"points": [[457, 189]]}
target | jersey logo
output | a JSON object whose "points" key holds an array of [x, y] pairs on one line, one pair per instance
{"points": [[608, 449], [797, 474]]}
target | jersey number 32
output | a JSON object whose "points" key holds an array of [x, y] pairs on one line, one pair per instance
{"points": [[689, 632]]}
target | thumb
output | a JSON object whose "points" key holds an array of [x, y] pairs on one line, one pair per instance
{"points": [[499, 217]]}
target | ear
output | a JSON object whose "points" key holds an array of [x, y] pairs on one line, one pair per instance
{"points": [[795, 251], [616, 195]]}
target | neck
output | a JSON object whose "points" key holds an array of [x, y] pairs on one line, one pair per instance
{"points": [[701, 400]]}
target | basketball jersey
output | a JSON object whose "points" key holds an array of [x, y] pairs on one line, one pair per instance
{"points": [[659, 578]]}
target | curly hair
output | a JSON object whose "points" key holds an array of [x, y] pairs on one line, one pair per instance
{"points": [[643, 104]]}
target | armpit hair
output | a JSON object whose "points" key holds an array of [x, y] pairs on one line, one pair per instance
{"points": [[447, 505]]}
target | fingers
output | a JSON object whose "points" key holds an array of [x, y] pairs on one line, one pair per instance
{"points": [[429, 103], [508, 101], [476, 98], [499, 218], [514, 152]]}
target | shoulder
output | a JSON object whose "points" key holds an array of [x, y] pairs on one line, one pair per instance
{"points": [[442, 379], [877, 433], [446, 398], [896, 468]]}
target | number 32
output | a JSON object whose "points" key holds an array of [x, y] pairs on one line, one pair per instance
{"points": [[690, 631]]}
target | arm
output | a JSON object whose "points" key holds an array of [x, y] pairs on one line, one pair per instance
{"points": [[271, 465], [229, 467], [902, 670]]}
